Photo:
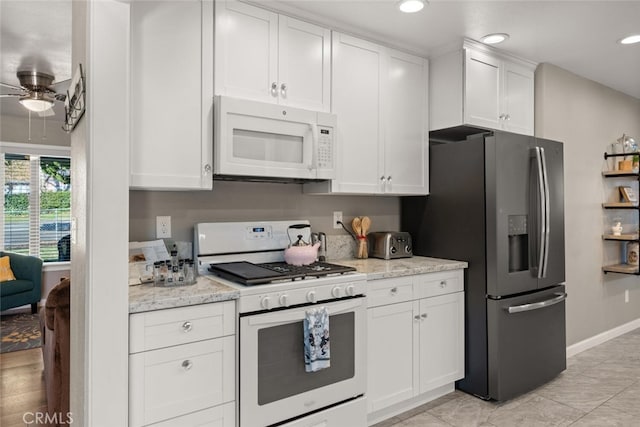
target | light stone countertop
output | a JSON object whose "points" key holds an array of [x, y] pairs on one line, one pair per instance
{"points": [[146, 297], [381, 269]]}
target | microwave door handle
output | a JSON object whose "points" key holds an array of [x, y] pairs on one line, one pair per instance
{"points": [[314, 147]]}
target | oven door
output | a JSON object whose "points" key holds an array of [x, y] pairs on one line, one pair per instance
{"points": [[274, 386]]}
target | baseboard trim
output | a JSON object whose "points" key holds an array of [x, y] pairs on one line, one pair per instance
{"points": [[605, 336]]}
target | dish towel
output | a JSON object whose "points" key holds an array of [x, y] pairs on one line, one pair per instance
{"points": [[316, 340]]}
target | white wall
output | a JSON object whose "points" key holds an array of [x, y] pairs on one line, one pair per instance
{"points": [[587, 116], [47, 132]]}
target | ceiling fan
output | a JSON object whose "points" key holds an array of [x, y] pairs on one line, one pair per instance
{"points": [[35, 91]]}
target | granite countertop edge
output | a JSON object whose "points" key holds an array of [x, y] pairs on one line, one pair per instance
{"points": [[382, 269], [144, 298]]}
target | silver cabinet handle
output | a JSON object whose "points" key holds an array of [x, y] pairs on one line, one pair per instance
{"points": [[560, 296], [389, 178], [507, 117], [274, 89], [443, 284], [382, 178], [501, 116], [187, 364], [283, 90], [416, 317], [424, 315], [394, 291], [187, 326]]}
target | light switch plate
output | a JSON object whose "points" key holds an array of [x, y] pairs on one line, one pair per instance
{"points": [[163, 227]]}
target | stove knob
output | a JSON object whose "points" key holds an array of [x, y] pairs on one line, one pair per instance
{"points": [[336, 292], [284, 300], [311, 296], [350, 290], [266, 303], [407, 249], [393, 250]]}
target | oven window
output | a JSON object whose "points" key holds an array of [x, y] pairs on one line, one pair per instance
{"points": [[271, 147], [281, 371]]}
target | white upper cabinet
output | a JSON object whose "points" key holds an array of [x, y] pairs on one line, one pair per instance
{"points": [[406, 128], [171, 94], [483, 87], [379, 96], [267, 57]]}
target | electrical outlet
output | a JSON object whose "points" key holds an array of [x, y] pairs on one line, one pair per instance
{"points": [[337, 216], [163, 227], [626, 295]]}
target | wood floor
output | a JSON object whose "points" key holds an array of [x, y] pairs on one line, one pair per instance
{"points": [[21, 386]]}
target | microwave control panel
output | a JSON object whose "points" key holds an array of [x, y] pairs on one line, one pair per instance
{"points": [[325, 147]]}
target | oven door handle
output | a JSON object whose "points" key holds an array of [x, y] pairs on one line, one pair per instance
{"points": [[297, 314]]}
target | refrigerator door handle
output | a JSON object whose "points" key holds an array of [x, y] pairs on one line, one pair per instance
{"points": [[547, 212], [559, 297], [543, 210]]}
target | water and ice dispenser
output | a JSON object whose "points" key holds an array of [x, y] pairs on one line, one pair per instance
{"points": [[518, 243]]}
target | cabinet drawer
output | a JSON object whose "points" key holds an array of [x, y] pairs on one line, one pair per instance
{"points": [[175, 381], [220, 416], [353, 413], [389, 291], [164, 328], [441, 283]]}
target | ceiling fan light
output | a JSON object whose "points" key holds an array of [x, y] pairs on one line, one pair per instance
{"points": [[631, 39], [36, 103], [410, 6], [495, 38]]}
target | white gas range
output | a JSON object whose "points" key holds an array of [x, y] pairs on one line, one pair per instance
{"points": [[274, 387]]}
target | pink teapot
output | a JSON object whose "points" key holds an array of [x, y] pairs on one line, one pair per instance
{"points": [[300, 252]]}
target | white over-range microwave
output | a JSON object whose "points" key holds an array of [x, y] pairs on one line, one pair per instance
{"points": [[259, 140]]}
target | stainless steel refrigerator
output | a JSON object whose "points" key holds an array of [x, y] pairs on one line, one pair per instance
{"points": [[496, 201]]}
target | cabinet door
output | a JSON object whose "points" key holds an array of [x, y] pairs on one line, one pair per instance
{"points": [[304, 55], [441, 340], [517, 98], [357, 100], [392, 344], [406, 137], [171, 94], [482, 90], [175, 381], [246, 52]]}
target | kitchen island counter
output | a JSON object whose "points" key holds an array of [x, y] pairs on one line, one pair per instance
{"points": [[146, 297], [381, 269]]}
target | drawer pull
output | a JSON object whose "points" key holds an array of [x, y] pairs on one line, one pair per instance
{"points": [[394, 291], [423, 315], [416, 317], [187, 326], [443, 284], [187, 364]]}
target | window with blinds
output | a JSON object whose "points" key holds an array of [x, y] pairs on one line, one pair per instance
{"points": [[36, 217]]}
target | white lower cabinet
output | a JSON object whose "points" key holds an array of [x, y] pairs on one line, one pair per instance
{"points": [[190, 380], [416, 345]]}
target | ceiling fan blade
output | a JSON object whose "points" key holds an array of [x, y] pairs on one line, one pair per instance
{"points": [[8, 95], [11, 86]]}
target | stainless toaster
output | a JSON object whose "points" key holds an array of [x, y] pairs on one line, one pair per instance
{"points": [[389, 244]]}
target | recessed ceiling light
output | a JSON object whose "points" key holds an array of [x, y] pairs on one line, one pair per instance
{"points": [[495, 38], [630, 40], [411, 6]]}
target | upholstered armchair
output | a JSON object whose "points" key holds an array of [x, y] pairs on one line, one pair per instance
{"points": [[27, 288], [55, 327]]}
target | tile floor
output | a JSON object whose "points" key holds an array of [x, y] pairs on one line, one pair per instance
{"points": [[601, 387]]}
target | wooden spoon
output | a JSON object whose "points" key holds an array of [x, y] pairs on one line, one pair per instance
{"points": [[356, 224], [365, 224]]}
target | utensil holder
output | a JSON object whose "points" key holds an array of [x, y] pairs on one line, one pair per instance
{"points": [[362, 251]]}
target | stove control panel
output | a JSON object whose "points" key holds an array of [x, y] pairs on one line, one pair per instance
{"points": [[298, 292]]}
